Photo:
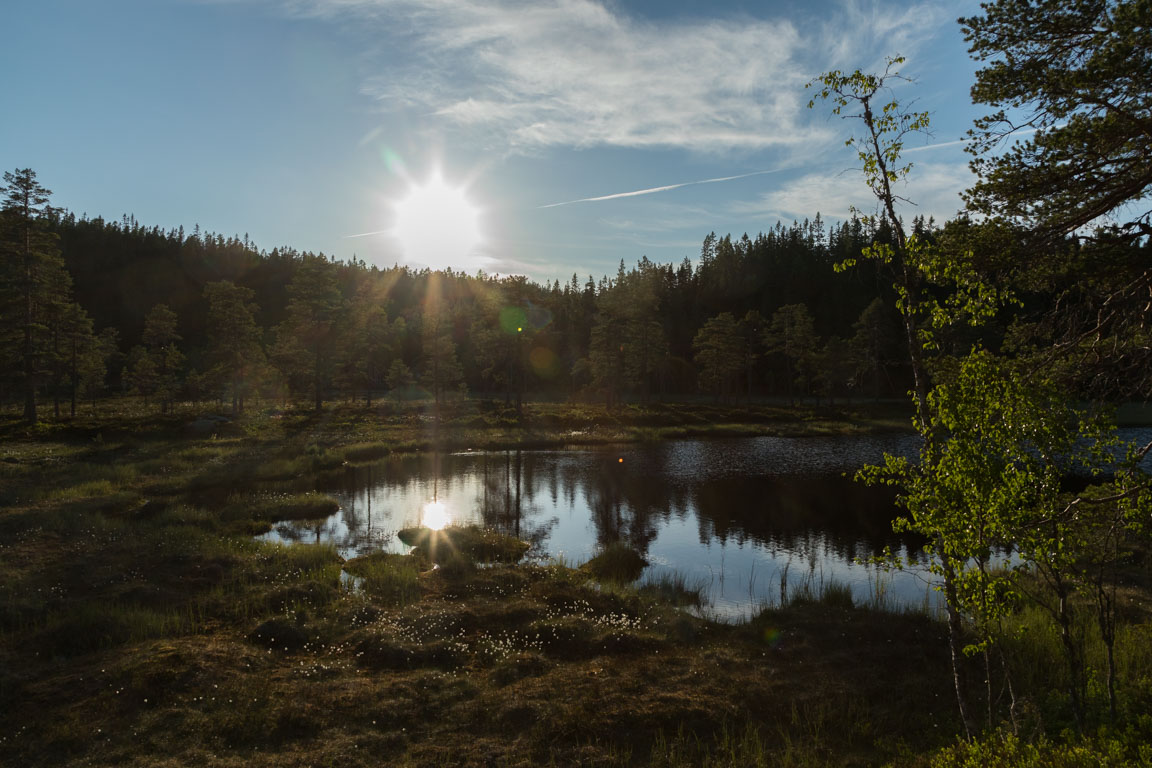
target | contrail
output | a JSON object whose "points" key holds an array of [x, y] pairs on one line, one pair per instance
{"points": [[653, 190], [926, 147], [366, 234]]}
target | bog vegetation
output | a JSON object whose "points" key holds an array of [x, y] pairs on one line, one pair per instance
{"points": [[140, 622]]}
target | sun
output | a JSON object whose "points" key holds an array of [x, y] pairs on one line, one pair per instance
{"points": [[435, 515], [438, 226]]}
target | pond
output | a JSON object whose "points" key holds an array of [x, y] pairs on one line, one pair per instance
{"points": [[744, 519]]}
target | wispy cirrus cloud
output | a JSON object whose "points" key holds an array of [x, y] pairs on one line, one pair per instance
{"points": [[524, 76], [933, 189]]}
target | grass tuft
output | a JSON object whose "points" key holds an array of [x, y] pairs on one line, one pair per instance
{"points": [[476, 544], [673, 589], [390, 578], [616, 563]]}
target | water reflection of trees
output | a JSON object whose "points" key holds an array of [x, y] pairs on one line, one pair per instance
{"points": [[506, 500], [831, 516], [630, 500], [518, 492]]}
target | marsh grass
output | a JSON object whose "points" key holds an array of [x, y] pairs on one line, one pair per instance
{"points": [[365, 452], [1006, 750], [128, 632], [674, 588], [86, 627], [464, 543], [390, 578], [813, 590], [275, 507], [616, 563]]}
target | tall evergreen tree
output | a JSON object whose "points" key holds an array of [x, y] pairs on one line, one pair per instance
{"points": [[33, 276], [80, 344]]}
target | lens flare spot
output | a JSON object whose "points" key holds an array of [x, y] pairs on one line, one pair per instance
{"points": [[512, 319], [544, 362], [435, 515]]}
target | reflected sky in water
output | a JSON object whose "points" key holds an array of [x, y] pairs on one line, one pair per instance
{"points": [[740, 517], [736, 516]]}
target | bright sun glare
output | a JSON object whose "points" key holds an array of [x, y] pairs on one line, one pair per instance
{"points": [[438, 226], [435, 515]]}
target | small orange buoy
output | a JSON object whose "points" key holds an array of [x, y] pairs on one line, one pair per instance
{"points": [[621, 459]]}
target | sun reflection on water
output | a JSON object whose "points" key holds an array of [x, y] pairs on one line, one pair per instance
{"points": [[435, 515]]}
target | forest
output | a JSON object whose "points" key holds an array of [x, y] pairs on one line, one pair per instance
{"points": [[122, 308], [119, 308]]}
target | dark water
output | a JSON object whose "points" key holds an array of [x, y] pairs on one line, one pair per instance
{"points": [[737, 516]]}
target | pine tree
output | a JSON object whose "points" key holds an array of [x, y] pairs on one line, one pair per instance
{"points": [[80, 344], [1080, 75], [399, 379], [719, 355], [33, 277]]}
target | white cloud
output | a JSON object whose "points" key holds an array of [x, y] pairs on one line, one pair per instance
{"points": [[934, 188], [577, 73]]}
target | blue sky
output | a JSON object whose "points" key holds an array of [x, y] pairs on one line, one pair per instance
{"points": [[301, 122]]}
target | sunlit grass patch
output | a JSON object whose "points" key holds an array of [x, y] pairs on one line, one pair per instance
{"points": [[289, 563], [474, 543], [83, 490], [1004, 750], [280, 468]]}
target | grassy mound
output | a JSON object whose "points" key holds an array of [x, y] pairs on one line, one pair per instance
{"points": [[476, 544], [617, 563]]}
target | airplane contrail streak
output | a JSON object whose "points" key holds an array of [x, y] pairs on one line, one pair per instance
{"points": [[926, 147], [653, 190]]}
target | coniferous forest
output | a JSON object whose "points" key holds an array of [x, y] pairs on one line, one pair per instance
{"points": [[175, 317]]}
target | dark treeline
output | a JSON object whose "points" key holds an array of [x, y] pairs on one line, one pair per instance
{"points": [[176, 316], [751, 318]]}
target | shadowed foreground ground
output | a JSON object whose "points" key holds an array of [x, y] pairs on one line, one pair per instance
{"points": [[140, 624]]}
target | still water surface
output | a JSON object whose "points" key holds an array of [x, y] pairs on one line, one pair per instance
{"points": [[739, 517]]}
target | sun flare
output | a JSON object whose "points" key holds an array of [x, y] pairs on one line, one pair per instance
{"points": [[438, 226], [435, 516]]}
